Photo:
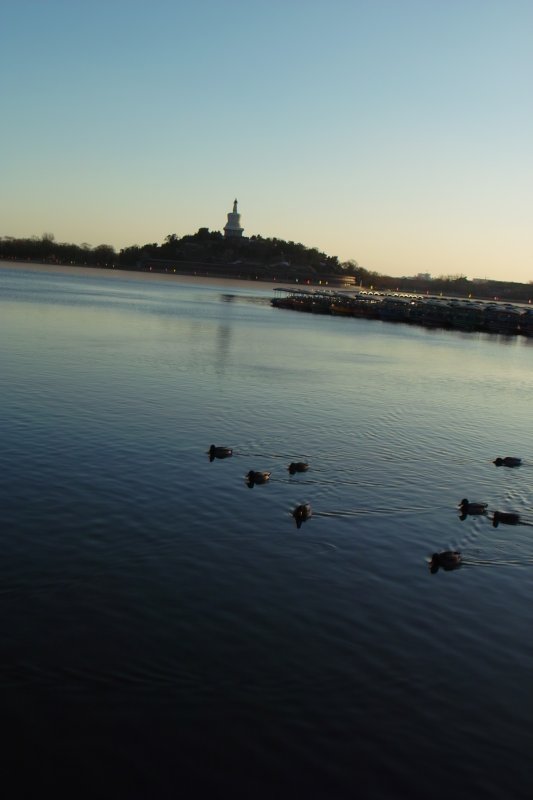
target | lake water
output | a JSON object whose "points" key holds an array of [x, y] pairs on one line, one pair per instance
{"points": [[168, 631]]}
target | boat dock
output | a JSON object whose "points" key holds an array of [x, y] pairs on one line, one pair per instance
{"points": [[430, 312]]}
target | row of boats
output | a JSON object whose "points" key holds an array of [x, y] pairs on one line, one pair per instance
{"points": [[431, 312]]}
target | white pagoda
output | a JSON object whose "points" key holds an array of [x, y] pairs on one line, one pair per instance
{"points": [[232, 228]]}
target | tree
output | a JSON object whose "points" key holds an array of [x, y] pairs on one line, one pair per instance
{"points": [[350, 267], [104, 254]]}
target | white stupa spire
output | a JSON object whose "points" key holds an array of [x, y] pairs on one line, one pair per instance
{"points": [[232, 228]]}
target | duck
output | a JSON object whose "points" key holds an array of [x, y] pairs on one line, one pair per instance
{"points": [[219, 452], [447, 559], [506, 517], [257, 477], [302, 513], [472, 508], [297, 466], [508, 461]]}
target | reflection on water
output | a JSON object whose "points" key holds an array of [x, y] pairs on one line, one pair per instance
{"points": [[223, 345], [181, 632]]}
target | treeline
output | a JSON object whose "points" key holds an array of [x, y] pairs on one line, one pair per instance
{"points": [[47, 250], [210, 247], [205, 246], [268, 258]]}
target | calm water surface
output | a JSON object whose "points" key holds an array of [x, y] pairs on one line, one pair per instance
{"points": [[168, 631]]}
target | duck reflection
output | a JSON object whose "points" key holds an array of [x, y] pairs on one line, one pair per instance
{"points": [[301, 514], [297, 466], [219, 452], [446, 560], [471, 509], [508, 461], [506, 518], [253, 478]]}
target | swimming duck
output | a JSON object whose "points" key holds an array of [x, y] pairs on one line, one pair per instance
{"points": [[257, 477], [302, 513], [448, 559], [472, 508], [508, 461], [297, 466], [219, 452], [506, 517]]}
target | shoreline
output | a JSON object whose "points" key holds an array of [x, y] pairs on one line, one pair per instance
{"points": [[164, 277]]}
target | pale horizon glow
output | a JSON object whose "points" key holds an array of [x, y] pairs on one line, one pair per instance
{"points": [[397, 134]]}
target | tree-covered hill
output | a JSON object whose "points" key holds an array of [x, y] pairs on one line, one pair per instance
{"points": [[208, 252]]}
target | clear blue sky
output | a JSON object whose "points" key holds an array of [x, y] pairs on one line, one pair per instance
{"points": [[398, 133]]}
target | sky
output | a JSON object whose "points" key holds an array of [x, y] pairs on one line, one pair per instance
{"points": [[397, 133]]}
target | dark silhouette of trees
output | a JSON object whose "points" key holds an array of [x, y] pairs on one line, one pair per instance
{"points": [[208, 252], [47, 250]]}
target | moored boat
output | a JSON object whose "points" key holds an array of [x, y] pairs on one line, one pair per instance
{"points": [[526, 322], [502, 318], [430, 312]]}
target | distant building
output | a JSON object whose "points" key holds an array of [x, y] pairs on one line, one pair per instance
{"points": [[424, 276], [232, 228]]}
